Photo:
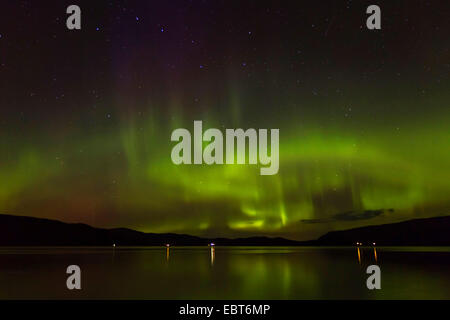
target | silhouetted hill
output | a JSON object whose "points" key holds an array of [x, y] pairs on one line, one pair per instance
{"points": [[28, 231], [418, 232]]}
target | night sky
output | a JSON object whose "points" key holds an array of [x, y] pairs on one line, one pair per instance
{"points": [[86, 115]]}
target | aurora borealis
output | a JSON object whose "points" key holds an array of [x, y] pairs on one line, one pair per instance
{"points": [[86, 115]]}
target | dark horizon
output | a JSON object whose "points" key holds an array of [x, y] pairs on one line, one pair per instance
{"points": [[22, 230]]}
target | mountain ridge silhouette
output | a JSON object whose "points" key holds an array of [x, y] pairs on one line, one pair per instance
{"points": [[30, 231]]}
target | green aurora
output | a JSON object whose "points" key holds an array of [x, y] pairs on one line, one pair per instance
{"points": [[124, 176]]}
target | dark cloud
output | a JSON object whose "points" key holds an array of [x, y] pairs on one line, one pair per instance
{"points": [[350, 216]]}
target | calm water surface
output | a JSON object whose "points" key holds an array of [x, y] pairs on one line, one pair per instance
{"points": [[225, 273]]}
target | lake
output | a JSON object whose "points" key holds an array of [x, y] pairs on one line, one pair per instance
{"points": [[225, 273]]}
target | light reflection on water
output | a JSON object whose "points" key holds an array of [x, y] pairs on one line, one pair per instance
{"points": [[225, 273], [213, 255]]}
